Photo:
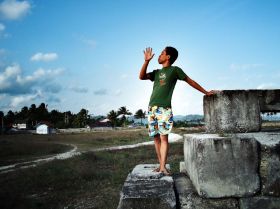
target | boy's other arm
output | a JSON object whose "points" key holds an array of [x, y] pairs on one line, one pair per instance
{"points": [[148, 55], [198, 87]]}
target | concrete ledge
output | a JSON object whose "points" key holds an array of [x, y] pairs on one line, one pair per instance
{"points": [[260, 202], [222, 166], [189, 199], [183, 168], [269, 161], [144, 188], [238, 110]]}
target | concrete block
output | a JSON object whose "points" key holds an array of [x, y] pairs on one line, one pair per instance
{"points": [[144, 188], [183, 168], [269, 161], [222, 166], [269, 100], [239, 110], [232, 111], [260, 202], [189, 199]]}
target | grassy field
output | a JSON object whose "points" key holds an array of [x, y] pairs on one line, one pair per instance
{"points": [[21, 150], [22, 147], [91, 180]]}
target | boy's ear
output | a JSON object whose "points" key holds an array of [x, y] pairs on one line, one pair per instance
{"points": [[168, 57]]}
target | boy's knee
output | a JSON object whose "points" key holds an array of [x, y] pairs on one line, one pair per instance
{"points": [[157, 137], [164, 137]]}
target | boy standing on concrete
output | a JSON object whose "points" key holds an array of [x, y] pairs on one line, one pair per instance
{"points": [[160, 117]]}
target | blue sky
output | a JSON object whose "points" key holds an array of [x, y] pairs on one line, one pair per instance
{"points": [[74, 54]]}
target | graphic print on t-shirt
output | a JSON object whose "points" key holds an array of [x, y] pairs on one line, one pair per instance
{"points": [[162, 78]]}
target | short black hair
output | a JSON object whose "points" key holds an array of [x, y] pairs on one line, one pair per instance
{"points": [[172, 52]]}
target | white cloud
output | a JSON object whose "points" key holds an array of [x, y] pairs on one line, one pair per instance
{"points": [[100, 92], [13, 10], [268, 86], [103, 91], [44, 57], [40, 74], [19, 100], [13, 83], [8, 76], [244, 66], [79, 89]]}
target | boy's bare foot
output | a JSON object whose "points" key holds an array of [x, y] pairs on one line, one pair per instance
{"points": [[166, 172], [156, 170]]}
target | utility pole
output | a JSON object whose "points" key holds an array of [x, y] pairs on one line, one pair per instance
{"points": [[66, 118]]}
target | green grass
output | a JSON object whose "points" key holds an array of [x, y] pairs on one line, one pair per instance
{"points": [[24, 147], [15, 151], [91, 180]]}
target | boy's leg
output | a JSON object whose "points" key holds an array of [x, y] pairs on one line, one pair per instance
{"points": [[165, 124], [157, 146], [163, 152], [153, 132]]}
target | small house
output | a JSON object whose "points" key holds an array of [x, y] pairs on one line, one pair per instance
{"points": [[20, 124], [44, 128]]}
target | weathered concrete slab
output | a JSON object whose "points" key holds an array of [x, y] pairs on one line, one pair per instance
{"points": [[189, 199], [222, 166], [144, 188], [269, 161], [238, 110], [183, 168], [232, 111], [145, 171], [269, 100], [261, 202]]}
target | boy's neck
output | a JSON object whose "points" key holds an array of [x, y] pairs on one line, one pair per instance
{"points": [[165, 65]]}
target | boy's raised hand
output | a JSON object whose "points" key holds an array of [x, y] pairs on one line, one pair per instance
{"points": [[209, 93], [148, 54]]}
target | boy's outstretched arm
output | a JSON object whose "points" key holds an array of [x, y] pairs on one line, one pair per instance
{"points": [[148, 55], [198, 87]]}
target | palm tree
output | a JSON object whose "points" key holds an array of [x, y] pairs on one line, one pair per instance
{"points": [[123, 111], [10, 118], [140, 114], [81, 118], [112, 116], [42, 112], [32, 115]]}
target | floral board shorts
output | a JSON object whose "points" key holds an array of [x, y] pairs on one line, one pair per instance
{"points": [[160, 120]]}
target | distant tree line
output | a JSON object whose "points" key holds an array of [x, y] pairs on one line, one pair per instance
{"points": [[119, 117], [33, 115]]}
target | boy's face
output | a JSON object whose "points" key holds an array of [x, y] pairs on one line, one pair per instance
{"points": [[163, 57]]}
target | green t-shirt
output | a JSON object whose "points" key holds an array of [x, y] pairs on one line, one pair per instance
{"points": [[164, 84]]}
